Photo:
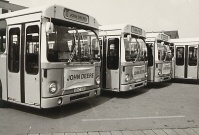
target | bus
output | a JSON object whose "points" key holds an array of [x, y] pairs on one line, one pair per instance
{"points": [[124, 57], [49, 55], [186, 52], [159, 57]]}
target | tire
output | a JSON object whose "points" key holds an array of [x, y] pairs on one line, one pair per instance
{"points": [[2, 103]]}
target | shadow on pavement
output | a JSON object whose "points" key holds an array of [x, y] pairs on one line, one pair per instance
{"points": [[186, 81], [62, 111], [159, 85], [127, 94]]}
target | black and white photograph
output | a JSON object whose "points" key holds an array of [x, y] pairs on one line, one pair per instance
{"points": [[99, 67]]}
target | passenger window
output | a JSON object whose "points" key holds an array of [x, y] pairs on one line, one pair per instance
{"points": [[14, 45], [32, 49], [193, 56], [113, 53], [2, 36], [180, 56]]}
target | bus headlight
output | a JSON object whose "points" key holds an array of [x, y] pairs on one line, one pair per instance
{"points": [[97, 80], [127, 78], [53, 87]]}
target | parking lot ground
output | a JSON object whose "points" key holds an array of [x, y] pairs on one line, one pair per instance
{"points": [[171, 108], [185, 131]]}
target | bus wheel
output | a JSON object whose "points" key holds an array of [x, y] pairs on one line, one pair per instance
{"points": [[2, 103]]}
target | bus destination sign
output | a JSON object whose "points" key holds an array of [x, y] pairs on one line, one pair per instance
{"points": [[75, 16], [164, 37], [136, 30]]}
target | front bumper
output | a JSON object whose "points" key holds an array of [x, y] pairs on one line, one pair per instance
{"points": [[66, 99], [132, 86]]}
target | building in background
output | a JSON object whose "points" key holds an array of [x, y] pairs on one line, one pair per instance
{"points": [[173, 34], [6, 7]]}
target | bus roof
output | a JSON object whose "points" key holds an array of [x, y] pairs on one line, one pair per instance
{"points": [[123, 28], [185, 41], [158, 36], [58, 12]]}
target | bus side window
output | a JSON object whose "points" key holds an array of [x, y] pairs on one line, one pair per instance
{"points": [[180, 56], [193, 56], [32, 49], [2, 36], [14, 45], [113, 53]]}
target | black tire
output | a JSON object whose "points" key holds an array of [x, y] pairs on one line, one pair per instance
{"points": [[2, 103]]}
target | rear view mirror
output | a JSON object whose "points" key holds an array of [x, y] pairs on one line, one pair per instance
{"points": [[129, 37], [49, 27], [162, 43]]}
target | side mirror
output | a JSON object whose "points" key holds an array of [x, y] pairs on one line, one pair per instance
{"points": [[162, 43], [129, 37], [49, 27]]}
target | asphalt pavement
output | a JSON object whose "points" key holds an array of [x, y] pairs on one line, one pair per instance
{"points": [[185, 131]]}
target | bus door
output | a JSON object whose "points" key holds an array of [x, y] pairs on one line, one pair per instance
{"points": [[3, 61], [192, 66], [23, 63], [186, 62], [111, 78]]}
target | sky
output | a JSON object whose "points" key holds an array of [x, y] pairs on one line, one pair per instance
{"points": [[150, 15]]}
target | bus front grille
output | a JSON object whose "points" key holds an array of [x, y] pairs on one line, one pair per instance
{"points": [[79, 96], [139, 84]]}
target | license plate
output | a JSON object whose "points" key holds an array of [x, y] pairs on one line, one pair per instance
{"points": [[80, 89]]}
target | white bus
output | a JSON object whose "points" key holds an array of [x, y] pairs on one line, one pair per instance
{"points": [[159, 57], [124, 57], [50, 56], [186, 52]]}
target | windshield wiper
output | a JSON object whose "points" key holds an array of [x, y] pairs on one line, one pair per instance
{"points": [[74, 50]]}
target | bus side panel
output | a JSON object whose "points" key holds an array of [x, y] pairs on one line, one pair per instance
{"points": [[150, 74], [32, 93], [112, 78], [192, 72], [179, 71], [3, 76]]}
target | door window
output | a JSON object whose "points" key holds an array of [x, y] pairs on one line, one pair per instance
{"points": [[113, 53], [2, 36], [180, 56], [150, 50], [192, 56], [14, 47], [32, 49]]}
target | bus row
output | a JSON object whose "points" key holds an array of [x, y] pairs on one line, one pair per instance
{"points": [[52, 56]]}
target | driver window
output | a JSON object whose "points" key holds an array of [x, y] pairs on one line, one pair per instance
{"points": [[64, 44]]}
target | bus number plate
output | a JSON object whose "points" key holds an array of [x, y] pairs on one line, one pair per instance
{"points": [[80, 89]]}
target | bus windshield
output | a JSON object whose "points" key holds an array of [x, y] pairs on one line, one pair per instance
{"points": [[71, 44], [164, 52], [135, 50]]}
